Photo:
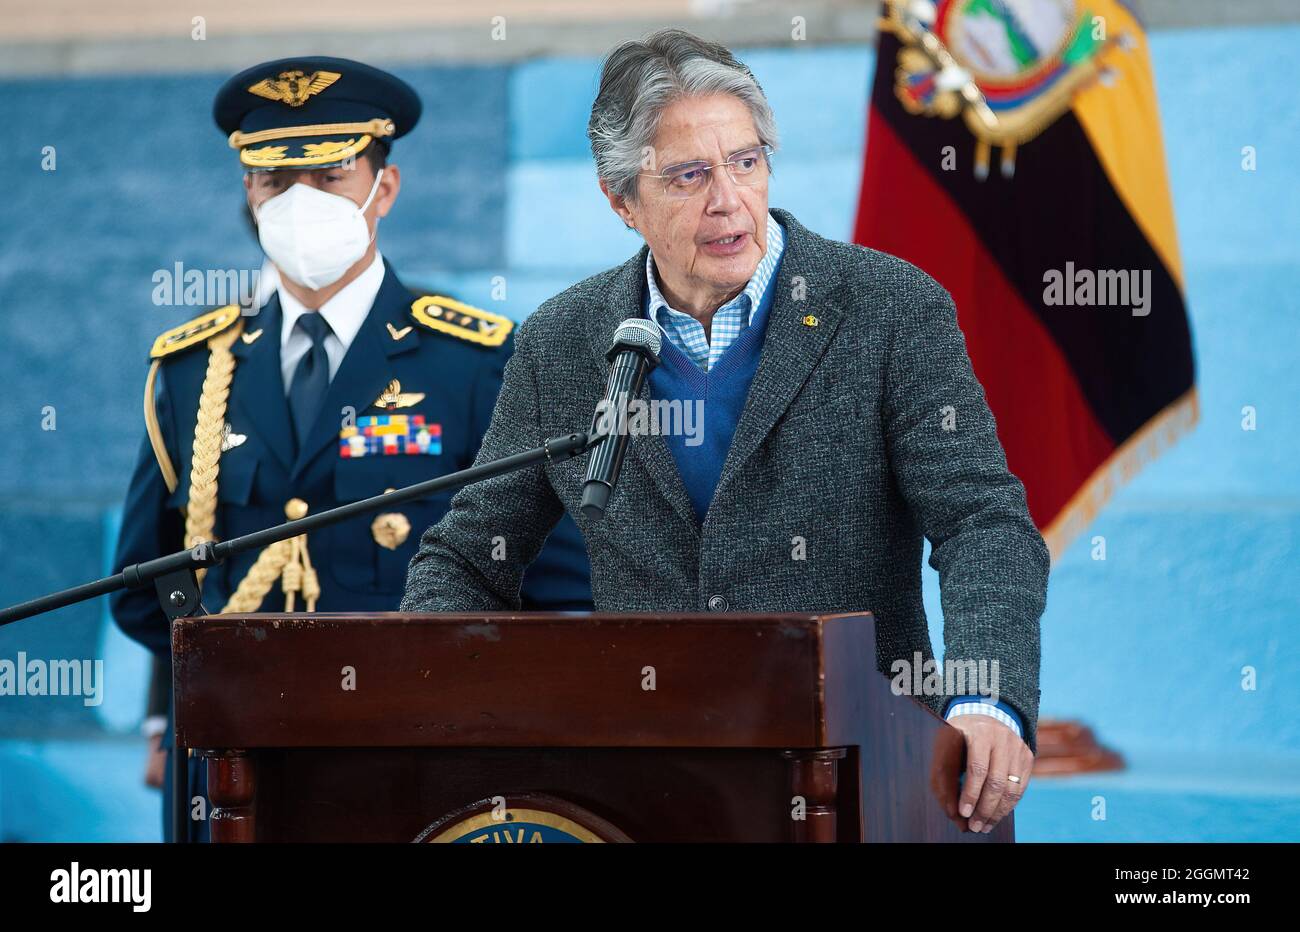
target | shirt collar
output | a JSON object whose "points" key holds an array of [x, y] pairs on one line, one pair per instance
{"points": [[345, 312], [752, 293]]}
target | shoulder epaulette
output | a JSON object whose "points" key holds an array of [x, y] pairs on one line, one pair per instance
{"points": [[463, 321], [198, 330]]}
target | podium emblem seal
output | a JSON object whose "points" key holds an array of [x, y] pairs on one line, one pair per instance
{"points": [[529, 818]]}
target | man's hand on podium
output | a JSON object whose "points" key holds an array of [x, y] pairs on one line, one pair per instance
{"points": [[994, 754]]}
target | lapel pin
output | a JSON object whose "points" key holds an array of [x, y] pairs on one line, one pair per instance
{"points": [[251, 337], [397, 334], [810, 321]]}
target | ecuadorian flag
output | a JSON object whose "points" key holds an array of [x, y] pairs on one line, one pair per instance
{"points": [[1014, 153]]}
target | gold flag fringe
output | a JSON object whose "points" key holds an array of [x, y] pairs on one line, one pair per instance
{"points": [[1154, 438]]}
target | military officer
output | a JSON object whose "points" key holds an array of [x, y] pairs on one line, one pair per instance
{"points": [[341, 385]]}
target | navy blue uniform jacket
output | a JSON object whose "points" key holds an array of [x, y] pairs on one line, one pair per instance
{"points": [[256, 478]]}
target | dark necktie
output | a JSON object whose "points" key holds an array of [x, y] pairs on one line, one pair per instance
{"points": [[311, 378]]}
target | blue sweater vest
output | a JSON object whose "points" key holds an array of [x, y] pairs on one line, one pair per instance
{"points": [[723, 390]]}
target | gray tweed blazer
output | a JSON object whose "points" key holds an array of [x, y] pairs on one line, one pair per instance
{"points": [[859, 435]]}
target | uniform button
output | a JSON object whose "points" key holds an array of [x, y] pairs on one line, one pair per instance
{"points": [[717, 603]]}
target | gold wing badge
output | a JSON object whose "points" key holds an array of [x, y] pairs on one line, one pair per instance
{"points": [[393, 397], [294, 87]]}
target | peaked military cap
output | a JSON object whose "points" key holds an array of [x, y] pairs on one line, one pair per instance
{"points": [[312, 112]]}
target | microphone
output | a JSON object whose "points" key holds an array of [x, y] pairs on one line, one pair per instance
{"points": [[634, 353]]}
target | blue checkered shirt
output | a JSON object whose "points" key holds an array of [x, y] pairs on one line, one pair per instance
{"points": [[729, 321]]}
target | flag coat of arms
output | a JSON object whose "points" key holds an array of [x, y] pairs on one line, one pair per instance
{"points": [[1014, 153]]}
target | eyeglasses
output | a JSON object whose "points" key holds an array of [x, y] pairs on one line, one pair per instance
{"points": [[690, 178]]}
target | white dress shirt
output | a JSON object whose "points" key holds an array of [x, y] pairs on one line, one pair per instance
{"points": [[345, 313]]}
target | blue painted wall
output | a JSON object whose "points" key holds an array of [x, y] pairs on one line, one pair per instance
{"points": [[1147, 646]]}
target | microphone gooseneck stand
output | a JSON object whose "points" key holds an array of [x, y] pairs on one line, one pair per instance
{"points": [[175, 581]]}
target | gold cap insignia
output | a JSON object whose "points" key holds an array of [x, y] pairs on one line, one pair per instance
{"points": [[294, 87], [462, 320], [393, 397], [810, 321], [330, 149], [266, 154]]}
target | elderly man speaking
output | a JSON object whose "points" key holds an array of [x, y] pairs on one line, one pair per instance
{"points": [[842, 420]]}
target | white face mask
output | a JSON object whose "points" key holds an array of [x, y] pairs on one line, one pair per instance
{"points": [[314, 237]]}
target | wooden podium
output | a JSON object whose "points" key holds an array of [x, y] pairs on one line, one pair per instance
{"points": [[515, 728]]}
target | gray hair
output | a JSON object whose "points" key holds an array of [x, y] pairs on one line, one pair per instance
{"points": [[639, 79]]}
